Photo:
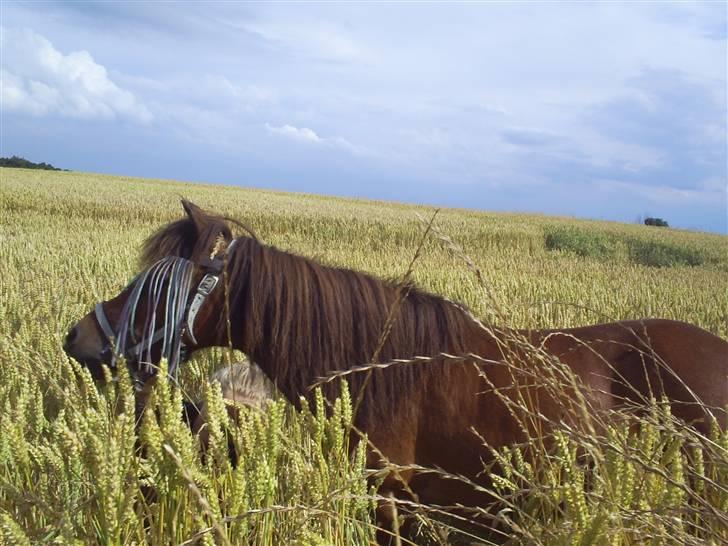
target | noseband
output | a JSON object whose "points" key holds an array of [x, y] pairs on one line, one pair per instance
{"points": [[179, 271]]}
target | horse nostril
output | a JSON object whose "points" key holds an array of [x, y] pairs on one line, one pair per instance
{"points": [[72, 334]]}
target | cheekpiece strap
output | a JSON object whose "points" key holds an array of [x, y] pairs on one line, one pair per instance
{"points": [[206, 286], [208, 283], [104, 322]]}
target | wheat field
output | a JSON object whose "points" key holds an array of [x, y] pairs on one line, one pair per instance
{"points": [[73, 469]]}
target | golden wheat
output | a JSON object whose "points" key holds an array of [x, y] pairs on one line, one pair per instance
{"points": [[73, 470]]}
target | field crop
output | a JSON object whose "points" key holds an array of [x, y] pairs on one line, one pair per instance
{"points": [[71, 467]]}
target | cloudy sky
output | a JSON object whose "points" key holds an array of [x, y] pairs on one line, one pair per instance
{"points": [[603, 110]]}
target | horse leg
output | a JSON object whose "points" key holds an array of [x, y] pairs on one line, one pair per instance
{"points": [[394, 487], [391, 529]]}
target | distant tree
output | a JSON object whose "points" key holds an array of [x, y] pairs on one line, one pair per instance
{"points": [[22, 163], [659, 222]]}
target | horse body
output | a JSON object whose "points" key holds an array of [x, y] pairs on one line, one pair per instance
{"points": [[301, 321], [620, 364]]}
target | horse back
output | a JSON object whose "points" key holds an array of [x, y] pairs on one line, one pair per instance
{"points": [[635, 361]]}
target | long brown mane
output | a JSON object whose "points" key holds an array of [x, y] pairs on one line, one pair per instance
{"points": [[319, 319]]}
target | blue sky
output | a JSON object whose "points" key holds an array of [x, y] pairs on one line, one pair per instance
{"points": [[602, 110]]}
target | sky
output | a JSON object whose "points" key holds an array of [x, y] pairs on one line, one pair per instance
{"points": [[609, 110]]}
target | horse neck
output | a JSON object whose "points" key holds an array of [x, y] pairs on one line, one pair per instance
{"points": [[264, 305], [299, 321]]}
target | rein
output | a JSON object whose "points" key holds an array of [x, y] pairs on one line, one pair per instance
{"points": [[179, 310]]}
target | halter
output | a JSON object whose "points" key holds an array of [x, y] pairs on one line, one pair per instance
{"points": [[178, 321]]}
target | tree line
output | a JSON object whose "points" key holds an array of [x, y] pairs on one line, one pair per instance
{"points": [[22, 163]]}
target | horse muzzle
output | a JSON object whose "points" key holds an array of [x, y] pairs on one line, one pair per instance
{"points": [[85, 345]]}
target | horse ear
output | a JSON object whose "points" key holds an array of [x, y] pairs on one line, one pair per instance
{"points": [[196, 215]]}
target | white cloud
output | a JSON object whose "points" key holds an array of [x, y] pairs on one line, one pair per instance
{"points": [[529, 137], [662, 194], [314, 38], [37, 79], [304, 134]]}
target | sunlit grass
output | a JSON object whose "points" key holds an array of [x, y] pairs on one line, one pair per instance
{"points": [[73, 471]]}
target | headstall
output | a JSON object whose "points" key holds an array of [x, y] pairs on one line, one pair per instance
{"points": [[213, 269]]}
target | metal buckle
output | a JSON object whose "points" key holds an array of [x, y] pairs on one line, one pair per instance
{"points": [[206, 286]]}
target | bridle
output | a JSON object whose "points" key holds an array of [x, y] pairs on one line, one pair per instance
{"points": [[175, 270]]}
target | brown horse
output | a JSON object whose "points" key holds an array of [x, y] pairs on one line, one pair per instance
{"points": [[300, 321]]}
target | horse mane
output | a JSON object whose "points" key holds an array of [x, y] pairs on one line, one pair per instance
{"points": [[302, 320]]}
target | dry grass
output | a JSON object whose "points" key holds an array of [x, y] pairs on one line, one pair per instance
{"points": [[71, 470]]}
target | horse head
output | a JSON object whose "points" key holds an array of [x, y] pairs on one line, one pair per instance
{"points": [[160, 313]]}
